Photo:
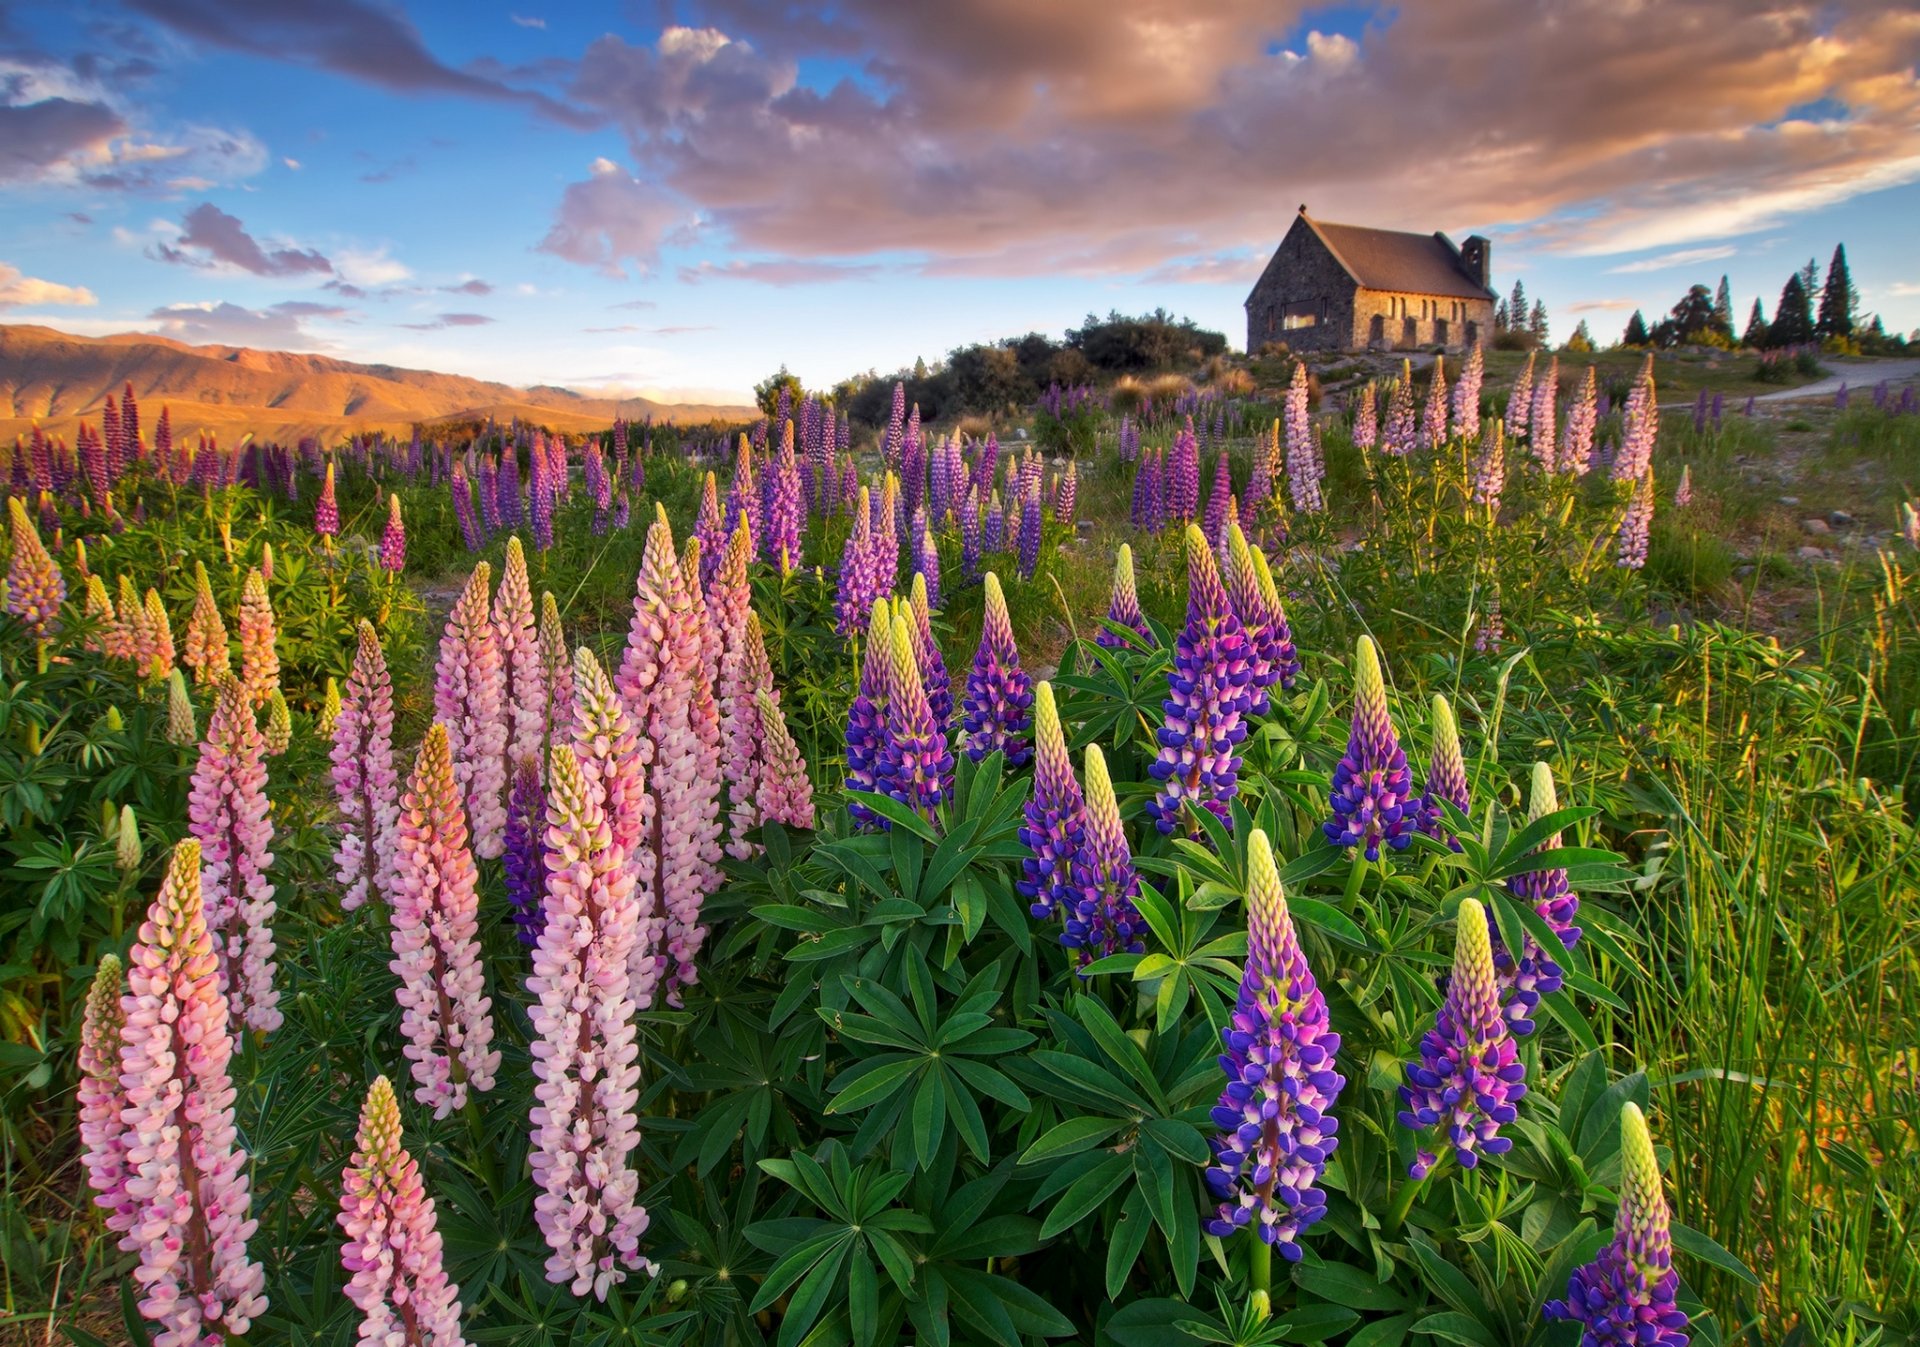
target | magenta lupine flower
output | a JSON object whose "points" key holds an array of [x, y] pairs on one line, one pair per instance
{"points": [[743, 671], [608, 751], [1469, 1078], [1683, 494], [188, 1213], [675, 716], [523, 685], [1576, 435], [523, 852], [786, 792], [1466, 394], [1056, 814], [444, 1010], [1537, 972], [1542, 418], [1366, 417], [1640, 425], [366, 784], [100, 1099], [1210, 694], [1626, 1295], [36, 589], [1063, 505], [1520, 400], [399, 1283], [926, 558], [1275, 1115], [556, 670], [1183, 475], [934, 679], [393, 542], [1305, 468], [996, 710], [1490, 467], [326, 510], [867, 715], [1372, 788], [1630, 545], [895, 437], [585, 1054], [1446, 777], [1399, 432], [229, 814], [916, 763], [1217, 501], [1101, 917], [469, 698], [1433, 412], [1123, 610]]}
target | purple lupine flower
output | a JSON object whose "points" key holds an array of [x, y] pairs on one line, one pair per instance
{"points": [[1124, 608], [1030, 525], [1399, 433], [1275, 1118], [853, 601], [1446, 777], [461, 491], [995, 534], [1466, 395], [711, 529], [1103, 917], [1068, 495], [507, 489], [1490, 467], [393, 543], [524, 854], [743, 493], [1492, 630], [1469, 1078], [1372, 787], [1250, 606], [1840, 396], [1129, 440], [326, 510], [786, 514], [1641, 424], [1576, 436], [1536, 973], [926, 654], [1627, 1294], [1286, 657], [1683, 494], [996, 708], [1433, 413], [1700, 412], [926, 557], [1056, 814], [1183, 475], [916, 764], [1209, 695], [1719, 405], [1217, 498], [1520, 400], [970, 535], [1542, 419], [1305, 467], [867, 716], [1630, 551], [540, 500], [1366, 418]]}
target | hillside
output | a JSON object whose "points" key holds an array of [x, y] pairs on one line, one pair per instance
{"points": [[57, 380]]}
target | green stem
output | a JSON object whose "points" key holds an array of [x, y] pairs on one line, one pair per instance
{"points": [[1260, 1274], [1355, 875], [1402, 1204]]}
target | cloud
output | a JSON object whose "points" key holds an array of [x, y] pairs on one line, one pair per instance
{"points": [[612, 220], [1904, 289], [281, 327], [525, 22], [213, 238], [450, 320], [636, 304], [471, 286], [37, 138], [291, 162], [657, 331], [1685, 257], [17, 289], [1238, 268], [779, 273], [1602, 305], [370, 266]]}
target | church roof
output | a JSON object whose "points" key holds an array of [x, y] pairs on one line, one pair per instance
{"points": [[1386, 259]]}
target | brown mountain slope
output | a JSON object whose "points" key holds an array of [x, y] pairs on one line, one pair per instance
{"points": [[57, 380]]}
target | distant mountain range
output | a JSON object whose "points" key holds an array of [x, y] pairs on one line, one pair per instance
{"points": [[56, 379]]}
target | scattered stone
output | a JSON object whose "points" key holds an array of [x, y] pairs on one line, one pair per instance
{"points": [[1817, 527], [1743, 572], [1789, 500], [1839, 519], [1812, 553]]}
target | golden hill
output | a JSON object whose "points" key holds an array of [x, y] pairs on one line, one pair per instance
{"points": [[58, 380]]}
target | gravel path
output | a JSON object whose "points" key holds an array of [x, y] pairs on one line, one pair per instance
{"points": [[1856, 375]]}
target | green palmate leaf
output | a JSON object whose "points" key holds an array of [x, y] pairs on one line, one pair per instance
{"points": [[1388, 1332], [1129, 1237], [895, 813], [1455, 1327], [1086, 1193], [1070, 1138], [1526, 839], [1349, 1286], [1707, 1250]]}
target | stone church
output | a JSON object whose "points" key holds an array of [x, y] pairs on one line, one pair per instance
{"points": [[1338, 287]]}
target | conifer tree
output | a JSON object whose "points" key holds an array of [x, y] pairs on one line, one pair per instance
{"points": [[1637, 334], [1537, 322], [1756, 333], [1517, 308], [1501, 320], [1723, 309], [1838, 298], [1792, 316], [1582, 339]]}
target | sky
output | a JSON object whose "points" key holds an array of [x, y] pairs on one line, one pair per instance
{"points": [[675, 198]]}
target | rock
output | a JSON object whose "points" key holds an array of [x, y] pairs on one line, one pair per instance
{"points": [[1742, 572], [1817, 527], [1812, 554], [1789, 500], [1839, 519]]}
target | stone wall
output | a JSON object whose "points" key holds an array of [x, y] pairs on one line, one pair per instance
{"points": [[1426, 313], [1302, 273]]}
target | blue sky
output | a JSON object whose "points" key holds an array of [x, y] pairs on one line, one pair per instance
{"points": [[679, 197]]}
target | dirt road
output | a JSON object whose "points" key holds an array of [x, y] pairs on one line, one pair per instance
{"points": [[1855, 374]]}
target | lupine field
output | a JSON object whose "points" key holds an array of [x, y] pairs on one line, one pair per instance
{"points": [[1190, 868]]}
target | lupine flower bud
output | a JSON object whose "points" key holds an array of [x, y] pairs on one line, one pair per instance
{"points": [[444, 1010], [1636, 525], [156, 652], [1468, 1078], [228, 812], [393, 542], [1626, 1295], [1209, 695], [279, 731], [35, 587], [1446, 777], [1102, 918], [1056, 814], [1371, 783], [926, 652], [100, 1099], [867, 716], [329, 708], [99, 613], [259, 661], [181, 732], [1536, 973], [786, 792], [915, 765], [366, 784], [1286, 657], [469, 698], [996, 709], [392, 1247], [185, 1175], [556, 670], [1124, 608], [126, 851], [326, 510], [1683, 494], [523, 685], [206, 645], [608, 750], [1275, 1118]]}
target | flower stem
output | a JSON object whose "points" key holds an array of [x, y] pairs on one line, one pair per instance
{"points": [[1354, 878], [1260, 1274]]}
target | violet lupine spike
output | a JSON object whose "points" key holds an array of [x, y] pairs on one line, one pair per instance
{"points": [[711, 529], [326, 510], [1469, 1077], [934, 679], [1366, 418], [100, 1100], [472, 535], [445, 1013], [971, 528], [926, 559], [867, 715], [1399, 433], [1305, 466], [1466, 394], [1069, 494], [1433, 412], [608, 750], [1102, 917], [469, 699], [1490, 466], [1576, 435], [259, 660], [1266, 459], [1218, 499], [743, 493], [1640, 426], [752, 678], [1209, 695], [730, 607], [1056, 814], [229, 814], [1537, 972], [1183, 476], [995, 529], [556, 670], [366, 784], [916, 762], [185, 1174], [786, 791], [662, 682], [1627, 1294], [1031, 523], [392, 1249], [585, 1050], [36, 590], [854, 598], [1542, 417], [786, 513], [996, 710], [1372, 788], [523, 686], [1636, 524], [1520, 400], [1275, 1115], [393, 542], [206, 650], [523, 854], [1123, 609], [1446, 777]]}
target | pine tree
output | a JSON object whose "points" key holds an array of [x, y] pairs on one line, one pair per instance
{"points": [[1517, 308], [1838, 299], [1756, 334], [1501, 322], [1537, 322], [1810, 281], [1792, 317], [1723, 309], [1636, 331], [1581, 341]]}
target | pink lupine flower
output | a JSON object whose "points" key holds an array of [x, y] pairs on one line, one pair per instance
{"points": [[97, 608], [259, 661], [752, 676], [444, 1009], [127, 639], [678, 722], [393, 1241], [159, 644], [786, 791], [326, 510], [710, 638], [556, 669], [1542, 417], [585, 1057], [522, 685], [729, 606], [35, 587], [1433, 412], [185, 1175], [206, 645], [609, 753], [228, 813], [100, 1099], [469, 698], [365, 781], [393, 543]]}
